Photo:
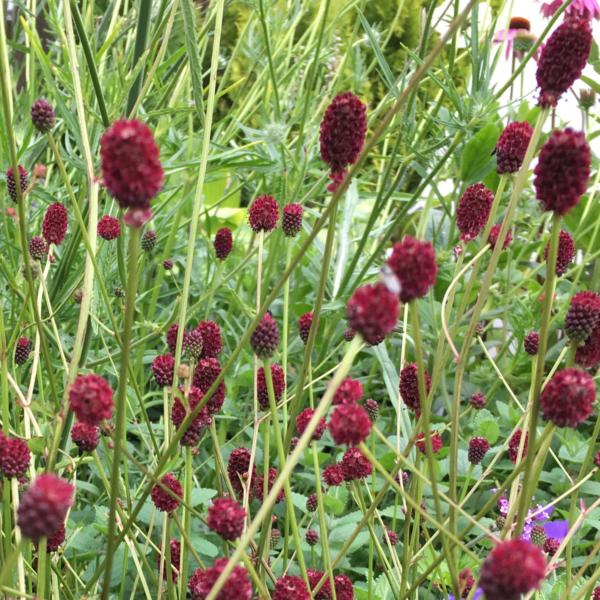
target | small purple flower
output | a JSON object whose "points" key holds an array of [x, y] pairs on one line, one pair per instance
{"points": [[478, 594], [540, 515]]}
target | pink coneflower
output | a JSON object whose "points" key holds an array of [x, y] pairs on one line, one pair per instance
{"points": [[583, 8], [518, 37]]}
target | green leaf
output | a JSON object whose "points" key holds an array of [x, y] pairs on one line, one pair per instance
{"points": [[189, 25], [477, 159], [486, 425], [202, 496]]}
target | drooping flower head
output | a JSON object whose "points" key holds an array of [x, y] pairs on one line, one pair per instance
{"points": [[512, 146], [563, 171], [563, 59], [413, 263], [54, 225], [568, 398], [131, 168]]}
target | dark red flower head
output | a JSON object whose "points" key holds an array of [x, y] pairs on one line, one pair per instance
{"points": [[263, 214], [265, 338], [237, 585], [42, 115], [478, 448], [409, 386], [343, 587], [54, 225], [511, 147], [343, 131], [333, 475], [514, 444], [513, 568], [91, 399], [11, 184], [290, 587], [238, 467], [14, 457], [350, 391], [38, 248], [162, 499], [466, 581], [372, 408], [495, 233], [583, 316], [171, 337], [44, 506], [260, 486], [413, 263], [436, 442], [109, 228], [568, 398], [312, 537], [473, 211], [163, 367], [226, 517], [566, 252], [349, 424], [302, 422], [56, 540], [304, 324], [291, 222], [206, 373], [278, 377], [22, 350], [355, 465], [477, 400], [596, 595], [175, 549], [211, 338], [563, 171], [199, 424], [223, 243], [148, 240], [131, 168], [588, 355], [531, 342], [551, 546], [193, 345], [372, 311], [563, 59], [86, 437]]}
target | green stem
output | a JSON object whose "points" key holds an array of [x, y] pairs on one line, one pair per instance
{"points": [[42, 567], [187, 519], [121, 403]]}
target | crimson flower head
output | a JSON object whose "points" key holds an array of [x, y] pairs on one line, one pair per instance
{"points": [[583, 316], [162, 499], [477, 400], [333, 475], [22, 350], [212, 343], [531, 343], [131, 168], [596, 595], [436, 442], [54, 225], [260, 486], [278, 378], [304, 325], [413, 263], [38, 248], [226, 517], [349, 391], [372, 311], [14, 457], [513, 568], [56, 540], [290, 587], [11, 184], [563, 59], [588, 355], [171, 337], [343, 131], [163, 367], [566, 252], [175, 549], [223, 243], [355, 465], [291, 222], [263, 214], [44, 506], [237, 585], [302, 423], [86, 437], [409, 386], [238, 468], [495, 234], [91, 399], [42, 115], [514, 443], [109, 228], [206, 373], [563, 171], [512, 146], [349, 424], [199, 424], [473, 211], [568, 398], [478, 448], [265, 338]]}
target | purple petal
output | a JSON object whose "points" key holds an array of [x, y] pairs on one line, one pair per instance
{"points": [[557, 529]]}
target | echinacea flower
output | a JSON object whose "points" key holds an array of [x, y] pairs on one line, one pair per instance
{"points": [[583, 8], [518, 37]]}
